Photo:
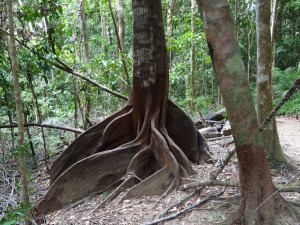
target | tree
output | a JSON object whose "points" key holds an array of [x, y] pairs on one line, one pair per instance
{"points": [[264, 80], [254, 173], [85, 55], [146, 146], [18, 98], [192, 60]]}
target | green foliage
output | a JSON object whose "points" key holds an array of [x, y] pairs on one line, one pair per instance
{"points": [[16, 215], [283, 80]]}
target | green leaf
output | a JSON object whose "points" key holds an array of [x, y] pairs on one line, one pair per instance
{"points": [[11, 222]]}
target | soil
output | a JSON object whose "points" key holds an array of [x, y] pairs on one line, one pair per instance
{"points": [[145, 209], [289, 134]]}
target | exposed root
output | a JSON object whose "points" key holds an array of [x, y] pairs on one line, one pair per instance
{"points": [[118, 132], [120, 154], [233, 218], [283, 205], [83, 146], [129, 180], [92, 174]]}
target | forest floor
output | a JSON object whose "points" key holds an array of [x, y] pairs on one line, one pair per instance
{"points": [[145, 209]]}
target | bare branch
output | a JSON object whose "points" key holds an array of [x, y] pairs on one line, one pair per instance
{"points": [[62, 66], [68, 69], [290, 92], [187, 209], [75, 130]]}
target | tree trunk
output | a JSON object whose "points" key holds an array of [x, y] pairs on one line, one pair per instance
{"points": [[274, 15], [88, 100], [171, 9], [8, 111], [121, 52], [192, 60], [121, 34], [254, 173], [121, 23], [264, 80], [103, 28], [40, 120], [144, 147], [17, 92]]}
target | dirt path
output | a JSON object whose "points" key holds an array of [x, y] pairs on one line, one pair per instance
{"points": [[289, 134]]}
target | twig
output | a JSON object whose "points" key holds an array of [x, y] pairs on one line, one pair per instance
{"points": [[230, 183], [214, 174], [234, 183], [75, 130], [195, 192], [217, 138], [278, 189], [228, 143], [198, 203]]}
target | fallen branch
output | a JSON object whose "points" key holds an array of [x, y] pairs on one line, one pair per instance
{"points": [[289, 187], [75, 130], [195, 192], [217, 138], [290, 92], [214, 174], [226, 183], [189, 208]]}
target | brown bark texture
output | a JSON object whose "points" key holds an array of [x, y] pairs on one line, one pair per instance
{"points": [[254, 174], [146, 147], [264, 80], [18, 99]]}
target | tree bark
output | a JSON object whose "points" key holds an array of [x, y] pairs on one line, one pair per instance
{"points": [[274, 15], [145, 147], [17, 92], [121, 36], [120, 46], [192, 60], [254, 173], [171, 10], [88, 100], [264, 80]]}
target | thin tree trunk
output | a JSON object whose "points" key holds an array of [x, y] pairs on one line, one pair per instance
{"points": [[39, 114], [88, 90], [264, 80], [1, 145], [103, 28], [254, 173], [120, 47], [121, 34], [192, 57], [84, 33], [17, 92], [121, 23], [33, 154], [249, 36], [171, 10], [274, 14], [9, 115], [75, 105]]}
